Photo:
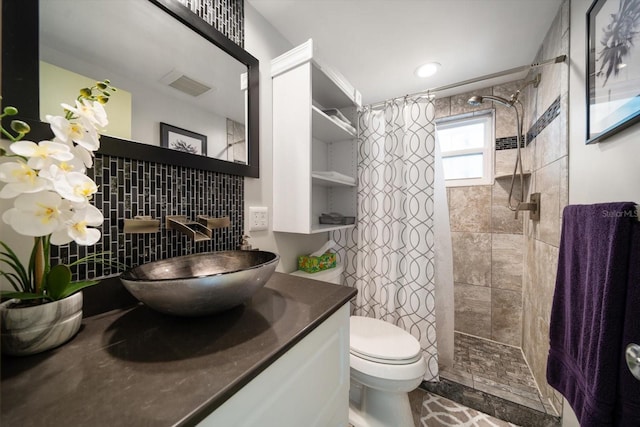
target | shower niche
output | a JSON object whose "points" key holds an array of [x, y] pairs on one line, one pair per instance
{"points": [[315, 152]]}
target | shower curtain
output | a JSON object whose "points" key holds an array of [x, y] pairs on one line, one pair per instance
{"points": [[402, 230]]}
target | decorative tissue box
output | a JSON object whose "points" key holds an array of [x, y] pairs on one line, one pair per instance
{"points": [[313, 264]]}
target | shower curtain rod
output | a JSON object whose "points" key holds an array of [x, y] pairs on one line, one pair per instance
{"points": [[515, 70]]}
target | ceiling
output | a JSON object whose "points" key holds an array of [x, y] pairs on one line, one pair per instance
{"points": [[377, 44]]}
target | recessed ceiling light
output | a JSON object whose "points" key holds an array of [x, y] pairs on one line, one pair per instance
{"points": [[621, 65], [427, 70]]}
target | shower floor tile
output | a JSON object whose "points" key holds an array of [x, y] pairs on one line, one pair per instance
{"points": [[493, 368]]}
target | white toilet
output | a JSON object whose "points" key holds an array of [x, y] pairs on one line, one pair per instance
{"points": [[386, 364]]}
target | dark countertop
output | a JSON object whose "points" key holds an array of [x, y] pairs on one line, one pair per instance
{"points": [[137, 367]]}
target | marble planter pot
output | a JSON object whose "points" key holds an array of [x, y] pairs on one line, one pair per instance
{"points": [[31, 330]]}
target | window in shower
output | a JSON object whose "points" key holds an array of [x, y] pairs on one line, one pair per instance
{"points": [[466, 143]]}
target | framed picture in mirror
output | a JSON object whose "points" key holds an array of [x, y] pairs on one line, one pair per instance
{"points": [[183, 140], [613, 67]]}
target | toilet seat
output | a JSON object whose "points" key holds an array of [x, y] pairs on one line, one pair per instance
{"points": [[378, 341]]}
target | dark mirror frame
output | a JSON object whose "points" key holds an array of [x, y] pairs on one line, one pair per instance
{"points": [[20, 88]]}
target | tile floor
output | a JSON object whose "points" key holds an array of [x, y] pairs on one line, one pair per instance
{"points": [[496, 369], [495, 379]]}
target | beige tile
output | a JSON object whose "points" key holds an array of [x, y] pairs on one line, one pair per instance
{"points": [[473, 310], [565, 17], [547, 267], [460, 377], [507, 260], [530, 227], [552, 142], [505, 161], [491, 387], [470, 208], [505, 90], [506, 316], [527, 158], [530, 272], [471, 258], [503, 219], [460, 104], [537, 301], [549, 88], [443, 107], [564, 186], [506, 123], [530, 112], [548, 185]]}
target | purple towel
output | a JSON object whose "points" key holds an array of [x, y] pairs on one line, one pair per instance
{"points": [[628, 395], [595, 304]]}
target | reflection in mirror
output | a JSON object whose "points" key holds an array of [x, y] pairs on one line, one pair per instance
{"points": [[164, 71]]}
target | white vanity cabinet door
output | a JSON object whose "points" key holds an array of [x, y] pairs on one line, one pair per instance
{"points": [[307, 386]]}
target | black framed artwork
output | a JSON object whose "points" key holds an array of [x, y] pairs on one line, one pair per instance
{"points": [[613, 67], [183, 140]]}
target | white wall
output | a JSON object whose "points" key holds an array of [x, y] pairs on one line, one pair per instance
{"points": [[602, 172], [264, 42]]}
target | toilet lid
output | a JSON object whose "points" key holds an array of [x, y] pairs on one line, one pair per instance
{"points": [[380, 341]]}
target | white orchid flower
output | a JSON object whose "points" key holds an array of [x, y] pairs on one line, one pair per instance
{"points": [[37, 214], [77, 227], [75, 187], [93, 112], [83, 155], [20, 179], [55, 170], [38, 153], [78, 132]]}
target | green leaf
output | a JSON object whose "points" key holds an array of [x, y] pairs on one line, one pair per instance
{"points": [[5, 295], [58, 280], [76, 286], [13, 261], [13, 279]]}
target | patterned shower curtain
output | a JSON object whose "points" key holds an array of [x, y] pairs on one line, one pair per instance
{"points": [[390, 254]]}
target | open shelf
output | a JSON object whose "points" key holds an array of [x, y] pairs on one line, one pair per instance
{"points": [[508, 175], [328, 130], [321, 228], [329, 182], [315, 159]]}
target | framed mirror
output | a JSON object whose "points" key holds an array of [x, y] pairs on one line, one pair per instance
{"points": [[172, 70]]}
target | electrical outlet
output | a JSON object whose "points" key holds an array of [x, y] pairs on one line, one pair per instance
{"points": [[258, 218]]}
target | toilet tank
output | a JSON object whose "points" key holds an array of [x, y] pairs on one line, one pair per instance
{"points": [[332, 275]]}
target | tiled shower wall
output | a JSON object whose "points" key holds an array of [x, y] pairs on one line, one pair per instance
{"points": [[504, 269], [134, 187], [548, 152], [487, 240]]}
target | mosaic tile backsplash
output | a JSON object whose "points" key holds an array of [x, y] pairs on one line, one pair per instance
{"points": [[226, 16], [132, 187]]}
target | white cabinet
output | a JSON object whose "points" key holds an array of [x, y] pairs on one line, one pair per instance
{"points": [[314, 154], [307, 386]]}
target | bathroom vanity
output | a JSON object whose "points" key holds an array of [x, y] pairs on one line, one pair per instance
{"points": [[282, 359]]}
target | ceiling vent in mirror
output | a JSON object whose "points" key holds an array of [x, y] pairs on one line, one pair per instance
{"points": [[183, 83]]}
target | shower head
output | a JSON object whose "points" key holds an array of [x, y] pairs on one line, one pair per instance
{"points": [[476, 100]]}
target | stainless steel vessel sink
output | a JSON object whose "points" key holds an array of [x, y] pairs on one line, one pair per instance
{"points": [[200, 284]]}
